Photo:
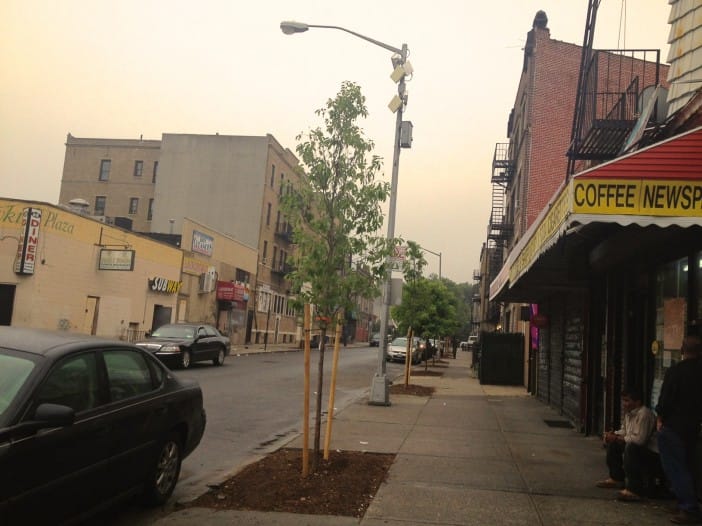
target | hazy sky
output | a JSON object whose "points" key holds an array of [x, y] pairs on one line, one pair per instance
{"points": [[126, 68]]}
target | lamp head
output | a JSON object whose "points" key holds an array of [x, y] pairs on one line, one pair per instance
{"points": [[289, 27]]}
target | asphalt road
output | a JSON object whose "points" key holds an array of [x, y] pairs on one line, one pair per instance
{"points": [[254, 405]]}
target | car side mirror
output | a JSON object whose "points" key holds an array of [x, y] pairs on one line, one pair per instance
{"points": [[54, 415], [46, 416]]}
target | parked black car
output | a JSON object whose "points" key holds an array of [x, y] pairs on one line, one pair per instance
{"points": [[374, 340], [85, 422], [182, 344]]}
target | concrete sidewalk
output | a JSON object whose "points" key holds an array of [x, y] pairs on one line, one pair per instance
{"points": [[469, 454]]}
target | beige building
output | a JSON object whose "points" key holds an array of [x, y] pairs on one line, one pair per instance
{"points": [[232, 184], [214, 290], [115, 176], [62, 270]]}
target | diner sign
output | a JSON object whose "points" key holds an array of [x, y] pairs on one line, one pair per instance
{"points": [[28, 242]]}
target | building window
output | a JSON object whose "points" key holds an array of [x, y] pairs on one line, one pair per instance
{"points": [[138, 168], [150, 213], [272, 175], [100, 202], [275, 257], [133, 205], [268, 215], [153, 175], [265, 252], [282, 182], [242, 276], [105, 169]]}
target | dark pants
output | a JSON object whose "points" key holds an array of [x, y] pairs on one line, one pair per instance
{"points": [[676, 456], [637, 466]]}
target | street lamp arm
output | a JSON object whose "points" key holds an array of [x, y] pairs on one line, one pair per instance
{"points": [[299, 27], [436, 254]]}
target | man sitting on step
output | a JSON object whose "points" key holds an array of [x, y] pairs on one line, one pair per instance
{"points": [[632, 453]]}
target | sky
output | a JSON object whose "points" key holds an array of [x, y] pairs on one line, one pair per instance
{"points": [[132, 68]]}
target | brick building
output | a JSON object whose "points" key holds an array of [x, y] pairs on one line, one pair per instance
{"points": [[604, 284]]}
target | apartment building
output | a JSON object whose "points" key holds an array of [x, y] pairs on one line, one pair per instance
{"points": [[231, 184]]}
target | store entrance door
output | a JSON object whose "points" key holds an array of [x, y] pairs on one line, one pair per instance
{"points": [[7, 302]]}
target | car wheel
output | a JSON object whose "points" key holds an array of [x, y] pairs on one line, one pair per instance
{"points": [[164, 475], [185, 359], [219, 360]]}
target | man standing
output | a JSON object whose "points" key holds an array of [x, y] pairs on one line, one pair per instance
{"points": [[631, 451], [679, 412]]}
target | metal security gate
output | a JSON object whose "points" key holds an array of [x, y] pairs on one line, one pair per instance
{"points": [[560, 359]]}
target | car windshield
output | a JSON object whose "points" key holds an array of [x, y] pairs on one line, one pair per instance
{"points": [[174, 331], [399, 342], [14, 371]]}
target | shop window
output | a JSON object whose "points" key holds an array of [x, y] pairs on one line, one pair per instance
{"points": [[671, 318], [698, 293]]}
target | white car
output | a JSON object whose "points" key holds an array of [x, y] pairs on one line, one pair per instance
{"points": [[472, 343], [397, 350]]}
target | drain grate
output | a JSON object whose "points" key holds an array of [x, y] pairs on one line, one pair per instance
{"points": [[558, 423]]}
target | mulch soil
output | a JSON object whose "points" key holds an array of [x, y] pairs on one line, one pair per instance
{"points": [[344, 485]]}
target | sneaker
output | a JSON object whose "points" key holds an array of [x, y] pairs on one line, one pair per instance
{"points": [[685, 517], [610, 483]]}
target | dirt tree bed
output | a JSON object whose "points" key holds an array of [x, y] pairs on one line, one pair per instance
{"points": [[344, 485]]}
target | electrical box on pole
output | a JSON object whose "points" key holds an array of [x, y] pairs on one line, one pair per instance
{"points": [[406, 134]]}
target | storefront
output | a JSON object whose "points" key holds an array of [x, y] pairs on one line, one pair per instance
{"points": [[62, 270], [613, 266]]}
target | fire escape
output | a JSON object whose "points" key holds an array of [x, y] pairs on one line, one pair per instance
{"points": [[611, 111], [500, 229]]}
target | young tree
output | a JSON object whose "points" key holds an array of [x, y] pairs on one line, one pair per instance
{"points": [[336, 215], [427, 304]]}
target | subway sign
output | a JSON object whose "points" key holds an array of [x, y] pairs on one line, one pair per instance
{"points": [[164, 285], [647, 197]]}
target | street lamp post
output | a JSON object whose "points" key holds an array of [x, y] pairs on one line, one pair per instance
{"points": [[436, 254], [379, 394]]}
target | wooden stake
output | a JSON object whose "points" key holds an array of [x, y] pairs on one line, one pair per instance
{"points": [[332, 388], [306, 409], [408, 356]]}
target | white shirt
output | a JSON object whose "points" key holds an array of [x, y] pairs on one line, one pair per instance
{"points": [[638, 428]]}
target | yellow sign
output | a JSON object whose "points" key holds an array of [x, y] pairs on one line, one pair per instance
{"points": [[648, 197], [194, 266], [551, 223]]}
